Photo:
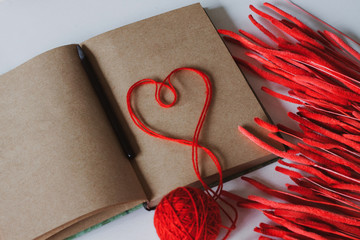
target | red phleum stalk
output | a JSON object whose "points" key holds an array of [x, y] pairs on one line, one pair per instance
{"points": [[254, 39], [288, 172], [263, 29], [339, 41], [261, 59]]}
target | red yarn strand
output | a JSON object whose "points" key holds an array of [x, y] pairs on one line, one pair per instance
{"points": [[202, 207]]}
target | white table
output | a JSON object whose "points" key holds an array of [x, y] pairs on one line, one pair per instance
{"points": [[30, 27]]}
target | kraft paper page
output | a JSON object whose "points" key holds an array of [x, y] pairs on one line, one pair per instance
{"points": [[59, 157], [152, 49]]}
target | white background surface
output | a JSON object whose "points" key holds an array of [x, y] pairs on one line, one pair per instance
{"points": [[30, 27]]}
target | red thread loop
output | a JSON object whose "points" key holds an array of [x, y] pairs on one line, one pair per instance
{"points": [[215, 195], [194, 143]]}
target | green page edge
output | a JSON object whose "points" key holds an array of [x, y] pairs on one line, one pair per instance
{"points": [[104, 222]]}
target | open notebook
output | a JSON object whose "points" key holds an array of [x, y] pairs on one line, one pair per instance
{"points": [[61, 167]]}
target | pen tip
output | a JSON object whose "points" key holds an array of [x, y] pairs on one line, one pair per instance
{"points": [[131, 156], [80, 52]]}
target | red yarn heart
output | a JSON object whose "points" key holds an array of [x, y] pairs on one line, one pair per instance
{"points": [[194, 143]]}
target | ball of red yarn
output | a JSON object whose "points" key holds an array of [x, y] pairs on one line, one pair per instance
{"points": [[188, 214]]}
